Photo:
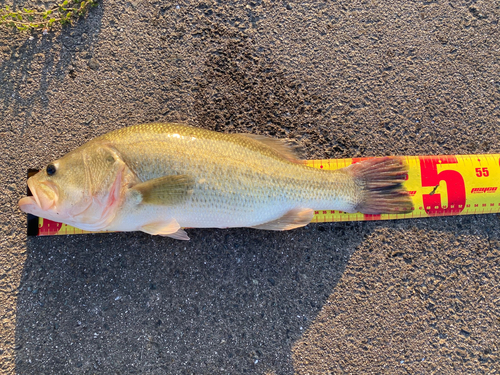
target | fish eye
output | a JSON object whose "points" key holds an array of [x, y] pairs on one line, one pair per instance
{"points": [[110, 159], [51, 169]]}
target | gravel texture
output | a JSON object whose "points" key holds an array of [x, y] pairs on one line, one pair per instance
{"points": [[340, 79]]}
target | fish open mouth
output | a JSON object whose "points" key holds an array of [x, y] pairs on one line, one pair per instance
{"points": [[44, 197]]}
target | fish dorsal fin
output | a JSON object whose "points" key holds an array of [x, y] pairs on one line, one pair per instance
{"points": [[166, 190], [168, 228], [296, 218], [280, 146]]}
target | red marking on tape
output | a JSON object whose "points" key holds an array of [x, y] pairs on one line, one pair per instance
{"points": [[49, 227], [455, 185], [357, 160], [484, 190]]}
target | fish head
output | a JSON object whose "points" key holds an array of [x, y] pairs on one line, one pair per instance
{"points": [[83, 188]]}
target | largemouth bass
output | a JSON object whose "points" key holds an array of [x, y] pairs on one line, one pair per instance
{"points": [[160, 178]]}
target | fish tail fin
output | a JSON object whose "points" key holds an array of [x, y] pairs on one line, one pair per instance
{"points": [[381, 180]]}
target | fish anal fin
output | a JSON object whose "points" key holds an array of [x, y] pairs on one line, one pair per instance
{"points": [[166, 190], [296, 218], [278, 145]]}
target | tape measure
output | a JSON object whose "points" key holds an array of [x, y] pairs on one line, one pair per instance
{"points": [[443, 185]]}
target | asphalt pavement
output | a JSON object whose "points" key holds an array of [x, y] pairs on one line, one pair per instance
{"points": [[338, 78]]}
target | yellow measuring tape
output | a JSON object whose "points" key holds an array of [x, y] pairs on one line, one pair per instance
{"points": [[442, 185], [438, 185]]}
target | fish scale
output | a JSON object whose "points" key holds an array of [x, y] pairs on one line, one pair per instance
{"points": [[234, 173]]}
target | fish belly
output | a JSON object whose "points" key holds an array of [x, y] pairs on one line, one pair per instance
{"points": [[191, 216]]}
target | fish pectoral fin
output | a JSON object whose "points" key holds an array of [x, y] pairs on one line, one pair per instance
{"points": [[166, 228], [165, 191], [296, 218], [280, 146]]}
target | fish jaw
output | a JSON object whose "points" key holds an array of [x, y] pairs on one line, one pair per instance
{"points": [[43, 199], [31, 206], [28, 205]]}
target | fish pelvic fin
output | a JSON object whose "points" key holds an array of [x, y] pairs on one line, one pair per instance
{"points": [[170, 228], [296, 218], [166, 190], [381, 180]]}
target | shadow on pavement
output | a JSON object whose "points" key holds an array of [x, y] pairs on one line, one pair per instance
{"points": [[231, 301], [417, 296]]}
